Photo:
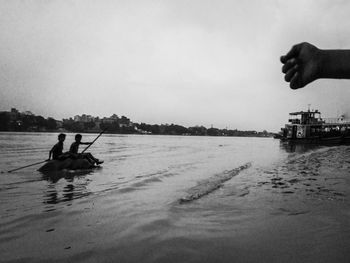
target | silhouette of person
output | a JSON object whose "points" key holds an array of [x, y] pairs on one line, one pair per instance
{"points": [[74, 148], [57, 150]]}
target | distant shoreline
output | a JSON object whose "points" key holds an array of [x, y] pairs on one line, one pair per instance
{"points": [[15, 121], [143, 134]]}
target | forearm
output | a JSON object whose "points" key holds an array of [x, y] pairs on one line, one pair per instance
{"points": [[334, 64]]}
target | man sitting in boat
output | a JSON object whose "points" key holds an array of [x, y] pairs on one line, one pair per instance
{"points": [[74, 148], [57, 150]]}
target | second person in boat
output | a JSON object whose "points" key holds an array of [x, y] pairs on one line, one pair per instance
{"points": [[74, 148]]}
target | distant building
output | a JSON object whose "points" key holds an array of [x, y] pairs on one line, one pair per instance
{"points": [[97, 124], [76, 118], [125, 122], [107, 120], [14, 113], [29, 113], [84, 118], [59, 124], [14, 110], [114, 117]]}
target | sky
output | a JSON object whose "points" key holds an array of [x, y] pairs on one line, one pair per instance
{"points": [[193, 62]]}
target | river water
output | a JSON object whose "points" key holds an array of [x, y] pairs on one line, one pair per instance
{"points": [[176, 199]]}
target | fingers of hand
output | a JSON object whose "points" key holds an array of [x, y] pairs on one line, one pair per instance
{"points": [[292, 53], [295, 82], [288, 65], [290, 73], [283, 59]]}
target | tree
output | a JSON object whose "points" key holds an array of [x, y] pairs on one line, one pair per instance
{"points": [[213, 132], [197, 130], [89, 125], [4, 121], [51, 124], [40, 121], [111, 127]]}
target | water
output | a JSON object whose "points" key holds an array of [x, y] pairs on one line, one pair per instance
{"points": [[176, 199]]}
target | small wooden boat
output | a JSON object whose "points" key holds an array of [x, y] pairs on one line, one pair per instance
{"points": [[67, 164]]}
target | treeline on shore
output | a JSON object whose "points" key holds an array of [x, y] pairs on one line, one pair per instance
{"points": [[21, 122]]}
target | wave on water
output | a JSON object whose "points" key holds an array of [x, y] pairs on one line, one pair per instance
{"points": [[209, 185], [145, 180]]}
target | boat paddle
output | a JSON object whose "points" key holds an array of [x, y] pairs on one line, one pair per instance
{"points": [[25, 166], [94, 140]]}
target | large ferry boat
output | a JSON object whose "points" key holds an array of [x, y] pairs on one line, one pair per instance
{"points": [[309, 127]]}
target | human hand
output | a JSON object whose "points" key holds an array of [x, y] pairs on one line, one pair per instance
{"points": [[301, 65]]}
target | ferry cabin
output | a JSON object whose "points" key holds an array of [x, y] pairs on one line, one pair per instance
{"points": [[309, 125]]}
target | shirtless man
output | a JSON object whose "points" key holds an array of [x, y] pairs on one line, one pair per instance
{"points": [[57, 150], [74, 148]]}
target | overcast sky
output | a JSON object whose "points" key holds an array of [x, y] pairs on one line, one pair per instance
{"points": [[185, 62]]}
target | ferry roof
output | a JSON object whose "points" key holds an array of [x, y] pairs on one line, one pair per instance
{"points": [[303, 112]]}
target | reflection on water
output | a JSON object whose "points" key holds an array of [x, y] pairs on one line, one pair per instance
{"points": [[65, 185], [55, 176], [291, 147]]}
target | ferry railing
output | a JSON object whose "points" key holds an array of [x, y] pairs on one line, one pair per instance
{"points": [[336, 121]]}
